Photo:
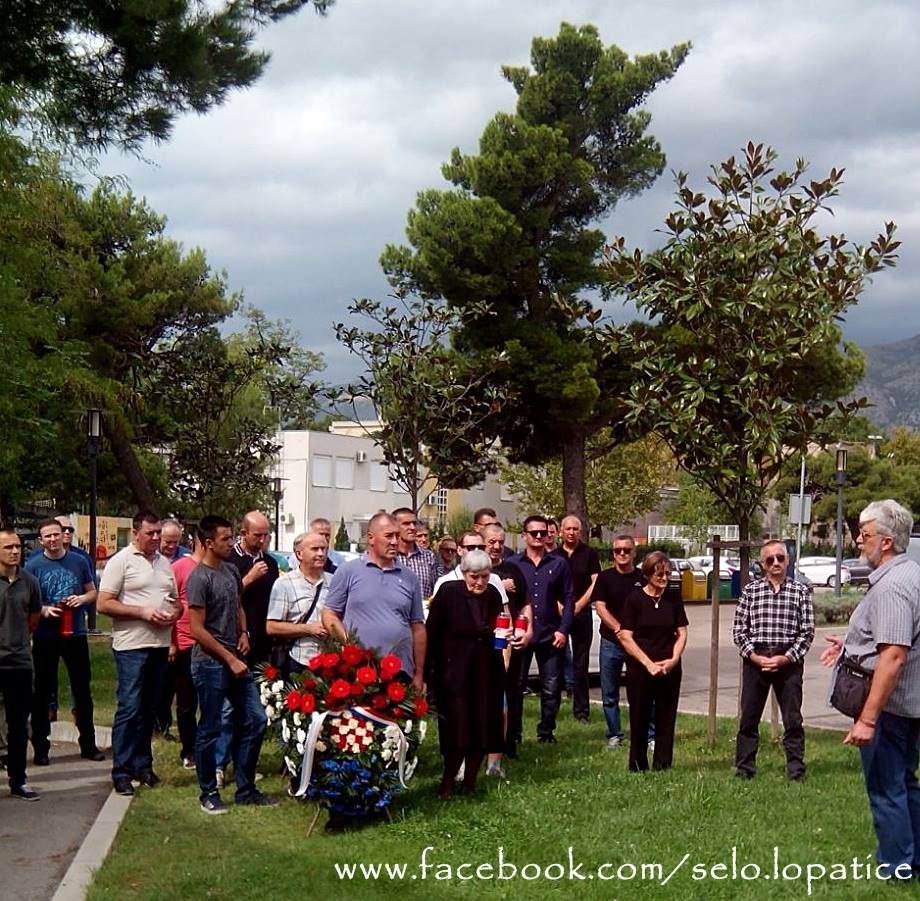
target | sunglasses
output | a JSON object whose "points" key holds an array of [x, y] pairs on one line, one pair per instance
{"points": [[474, 547], [69, 529], [774, 558], [538, 533], [622, 550]]}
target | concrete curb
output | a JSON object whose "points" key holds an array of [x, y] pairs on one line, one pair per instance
{"points": [[65, 731], [93, 850]]}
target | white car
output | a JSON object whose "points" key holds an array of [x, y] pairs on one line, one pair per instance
{"points": [[727, 565], [823, 570]]}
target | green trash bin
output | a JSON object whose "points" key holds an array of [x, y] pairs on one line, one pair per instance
{"points": [[725, 588], [693, 585]]}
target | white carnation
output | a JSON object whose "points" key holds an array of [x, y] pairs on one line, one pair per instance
{"points": [[278, 686], [410, 768], [301, 737], [320, 746], [408, 728], [386, 754], [285, 731], [270, 711], [300, 747], [422, 730]]}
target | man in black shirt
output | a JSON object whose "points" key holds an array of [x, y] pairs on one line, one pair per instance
{"points": [[516, 588], [610, 591], [585, 567], [258, 570]]}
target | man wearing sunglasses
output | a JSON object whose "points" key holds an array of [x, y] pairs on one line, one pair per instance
{"points": [[773, 630], [549, 586]]}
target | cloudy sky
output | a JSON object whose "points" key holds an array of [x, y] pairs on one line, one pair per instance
{"points": [[295, 186]]}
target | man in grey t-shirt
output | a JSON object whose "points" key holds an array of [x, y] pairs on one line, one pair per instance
{"points": [[884, 631], [218, 625]]}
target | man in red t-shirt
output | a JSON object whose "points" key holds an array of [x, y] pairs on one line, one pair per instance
{"points": [[180, 656]]}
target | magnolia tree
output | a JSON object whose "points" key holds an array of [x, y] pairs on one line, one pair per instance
{"points": [[749, 365]]}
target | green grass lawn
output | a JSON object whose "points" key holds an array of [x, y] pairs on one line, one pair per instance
{"points": [[574, 794]]}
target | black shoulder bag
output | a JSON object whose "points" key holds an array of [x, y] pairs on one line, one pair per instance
{"points": [[280, 655]]}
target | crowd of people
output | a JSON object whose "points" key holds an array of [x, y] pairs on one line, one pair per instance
{"points": [[192, 623]]}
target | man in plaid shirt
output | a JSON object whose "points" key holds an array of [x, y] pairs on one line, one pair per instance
{"points": [[420, 560], [773, 630]]}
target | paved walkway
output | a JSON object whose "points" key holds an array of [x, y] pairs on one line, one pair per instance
{"points": [[38, 841]]}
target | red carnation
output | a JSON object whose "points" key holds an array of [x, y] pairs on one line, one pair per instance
{"points": [[293, 699], [352, 654], [271, 673], [420, 707], [330, 660], [327, 674], [366, 675], [340, 689], [343, 669], [378, 702], [357, 689], [396, 691], [316, 662], [307, 703], [368, 654], [309, 684], [390, 666]]}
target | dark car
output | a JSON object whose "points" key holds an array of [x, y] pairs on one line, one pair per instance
{"points": [[859, 571]]}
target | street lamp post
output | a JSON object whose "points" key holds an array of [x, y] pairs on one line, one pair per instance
{"points": [[277, 494], [93, 433], [841, 468]]}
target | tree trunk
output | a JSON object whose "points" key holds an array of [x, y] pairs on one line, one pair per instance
{"points": [[744, 552], [574, 496], [128, 463]]}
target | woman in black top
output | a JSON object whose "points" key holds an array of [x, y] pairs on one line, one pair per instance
{"points": [[464, 671], [653, 632]]}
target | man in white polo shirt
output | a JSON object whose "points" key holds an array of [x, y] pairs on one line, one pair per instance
{"points": [[138, 590]]}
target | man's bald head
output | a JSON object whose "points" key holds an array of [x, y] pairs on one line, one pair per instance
{"points": [[255, 531]]}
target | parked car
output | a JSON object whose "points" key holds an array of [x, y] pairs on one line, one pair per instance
{"points": [[858, 569], [822, 570], [727, 565]]}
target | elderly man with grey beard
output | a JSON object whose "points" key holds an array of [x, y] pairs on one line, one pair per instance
{"points": [[883, 636]]}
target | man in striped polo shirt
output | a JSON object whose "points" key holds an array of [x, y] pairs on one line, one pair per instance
{"points": [[886, 626], [773, 630]]}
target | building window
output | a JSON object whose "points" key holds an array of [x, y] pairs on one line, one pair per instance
{"points": [[378, 477], [322, 471], [438, 500], [344, 472]]}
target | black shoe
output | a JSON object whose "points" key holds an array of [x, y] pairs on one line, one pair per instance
{"points": [[798, 777], [581, 720], [256, 799], [546, 739], [123, 786], [41, 759], [511, 750], [148, 778], [24, 793], [743, 774], [92, 754]]}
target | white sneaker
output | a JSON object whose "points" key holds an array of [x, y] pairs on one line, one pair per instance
{"points": [[220, 777], [460, 772], [614, 742], [496, 769]]}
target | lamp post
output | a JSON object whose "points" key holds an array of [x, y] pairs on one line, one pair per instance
{"points": [[277, 494], [841, 469], [93, 433]]}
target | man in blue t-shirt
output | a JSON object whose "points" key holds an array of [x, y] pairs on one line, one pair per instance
{"points": [[67, 586]]}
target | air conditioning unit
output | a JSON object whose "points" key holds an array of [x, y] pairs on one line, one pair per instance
{"points": [[287, 519], [432, 500], [361, 456]]}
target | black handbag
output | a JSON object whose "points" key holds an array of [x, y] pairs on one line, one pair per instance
{"points": [[280, 654], [852, 682]]}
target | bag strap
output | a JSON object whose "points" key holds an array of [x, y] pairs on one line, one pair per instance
{"points": [[306, 617]]}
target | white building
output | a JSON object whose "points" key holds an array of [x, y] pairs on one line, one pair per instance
{"points": [[341, 473], [334, 476]]}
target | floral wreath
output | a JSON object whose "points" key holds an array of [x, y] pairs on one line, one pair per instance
{"points": [[349, 726]]}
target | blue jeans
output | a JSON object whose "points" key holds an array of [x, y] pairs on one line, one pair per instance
{"points": [[550, 662], [140, 675], [215, 685], [223, 750], [890, 769], [610, 660]]}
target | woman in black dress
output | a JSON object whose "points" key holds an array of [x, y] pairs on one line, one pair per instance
{"points": [[464, 671], [653, 632]]}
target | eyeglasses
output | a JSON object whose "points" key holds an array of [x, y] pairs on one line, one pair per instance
{"points": [[774, 558], [622, 550], [865, 536], [538, 533], [474, 547]]}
